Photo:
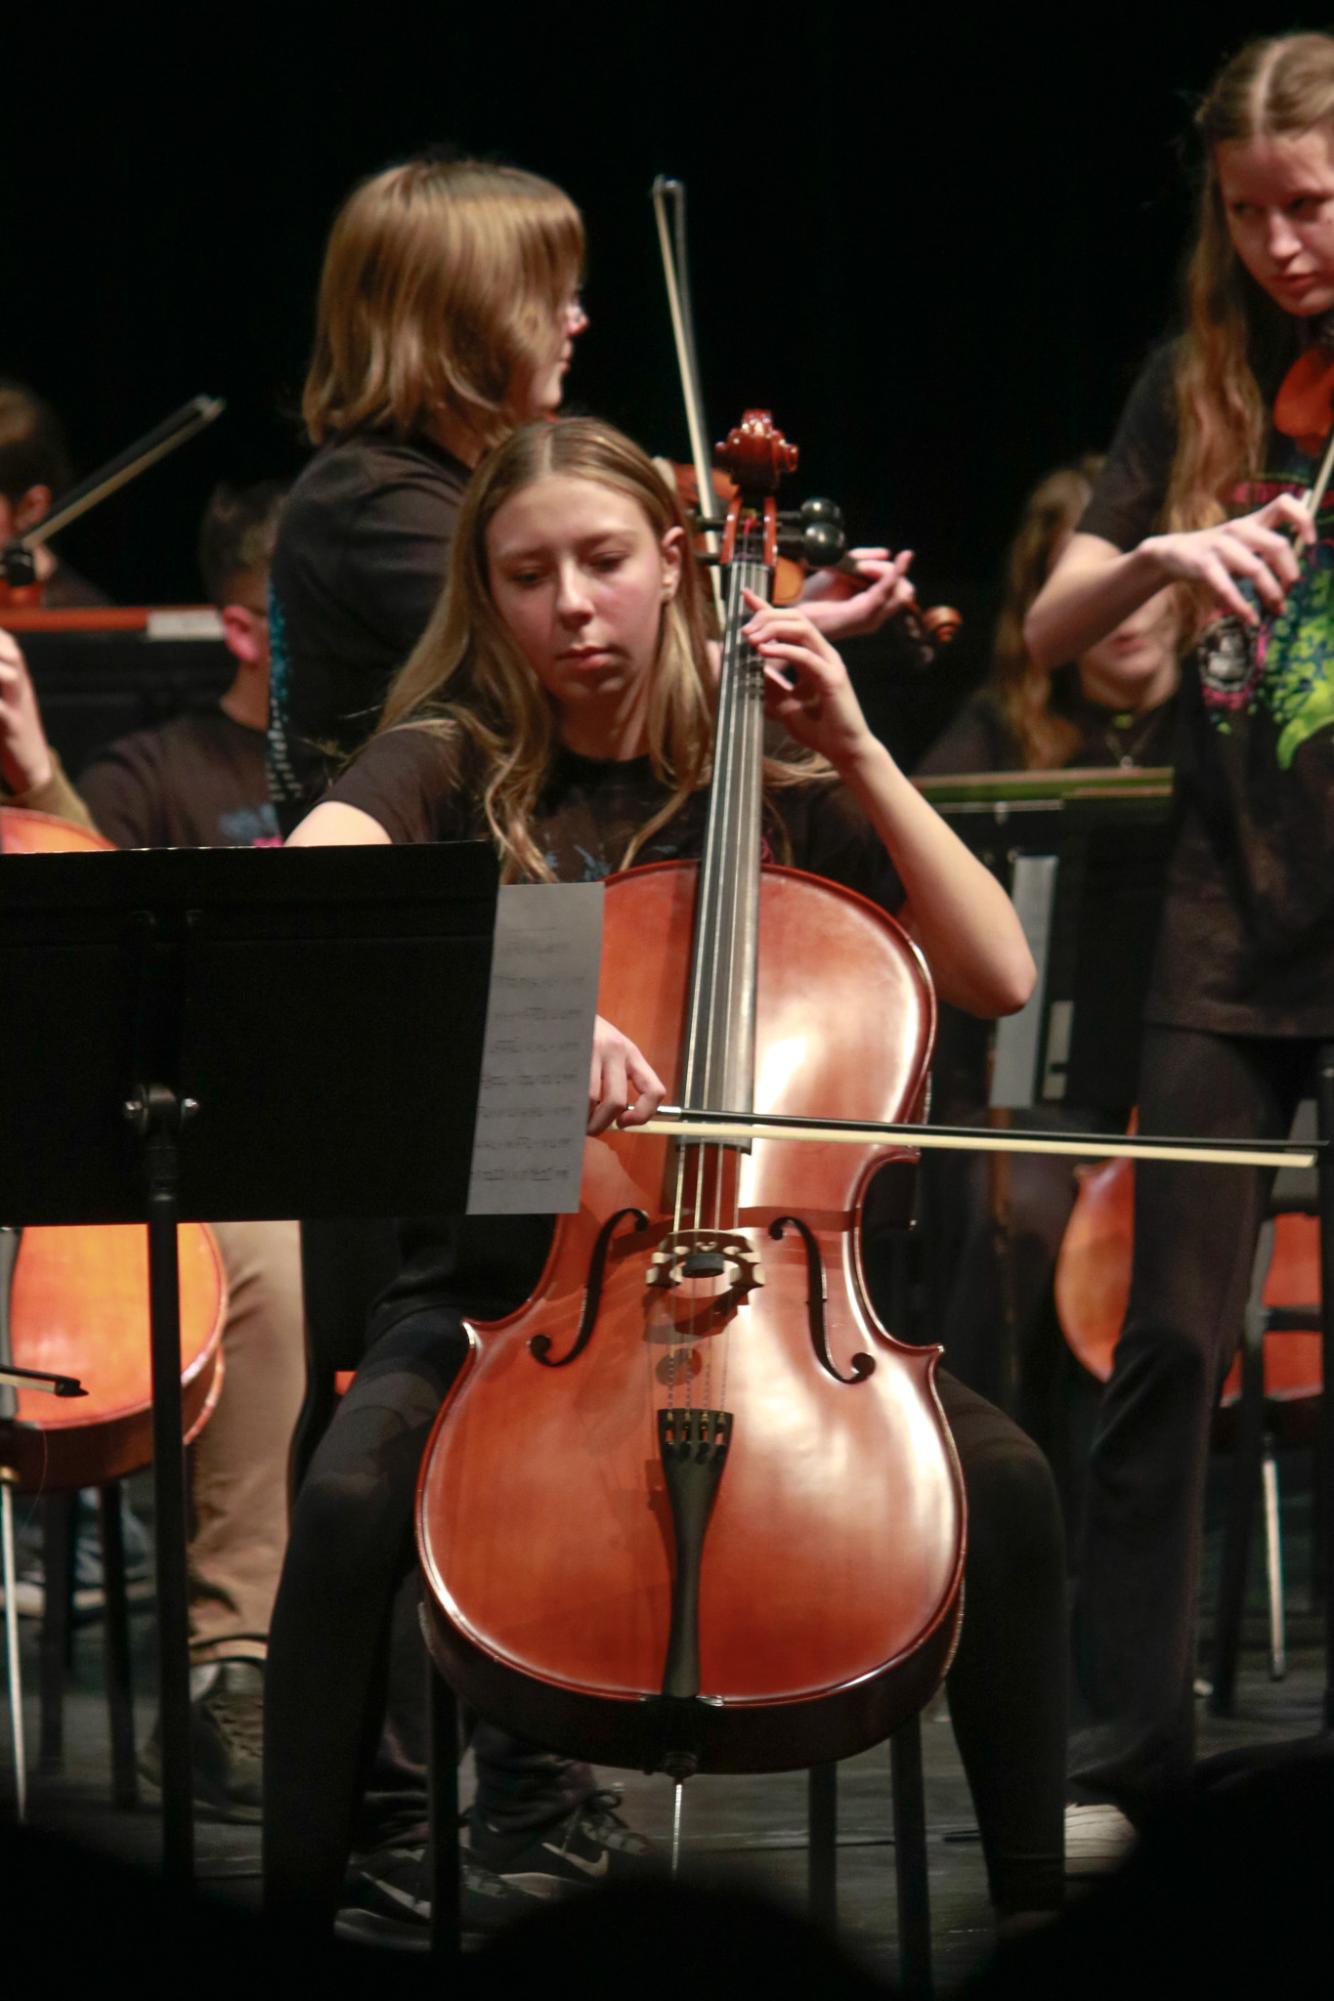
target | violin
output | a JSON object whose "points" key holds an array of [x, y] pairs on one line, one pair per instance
{"points": [[79, 1307], [1092, 1285], [692, 1507], [814, 539]]}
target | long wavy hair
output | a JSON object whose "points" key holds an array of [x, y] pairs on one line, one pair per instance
{"points": [[1046, 739], [467, 682], [442, 281], [1236, 337]]}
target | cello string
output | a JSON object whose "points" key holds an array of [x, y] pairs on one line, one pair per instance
{"points": [[743, 970], [745, 748], [726, 830]]}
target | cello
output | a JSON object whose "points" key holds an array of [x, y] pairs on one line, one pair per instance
{"points": [[1092, 1286], [732, 1535]]}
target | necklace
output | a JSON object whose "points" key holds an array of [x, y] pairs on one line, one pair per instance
{"points": [[1126, 733]]}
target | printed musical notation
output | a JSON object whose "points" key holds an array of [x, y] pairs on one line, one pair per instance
{"points": [[528, 1149]]}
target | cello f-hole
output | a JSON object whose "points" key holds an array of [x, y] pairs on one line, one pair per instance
{"points": [[540, 1345], [862, 1366]]}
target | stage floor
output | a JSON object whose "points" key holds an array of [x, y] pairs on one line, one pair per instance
{"points": [[743, 1831]]}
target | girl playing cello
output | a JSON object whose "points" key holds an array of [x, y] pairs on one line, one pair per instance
{"points": [[560, 704]]}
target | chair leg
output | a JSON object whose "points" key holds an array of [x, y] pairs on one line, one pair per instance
{"points": [[914, 1899], [1278, 1653], [443, 1785], [1319, 1504], [1246, 1473], [822, 1845], [58, 1585], [116, 1647]]}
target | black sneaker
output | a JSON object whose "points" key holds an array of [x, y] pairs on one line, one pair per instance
{"points": [[387, 1899], [587, 1846], [226, 1741]]}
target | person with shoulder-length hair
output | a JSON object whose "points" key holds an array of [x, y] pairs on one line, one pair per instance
{"points": [[561, 705], [448, 304], [1221, 434]]}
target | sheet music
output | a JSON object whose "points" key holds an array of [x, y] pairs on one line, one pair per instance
{"points": [[532, 1110]]}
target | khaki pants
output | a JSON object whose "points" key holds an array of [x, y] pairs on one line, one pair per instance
{"points": [[238, 1464]]}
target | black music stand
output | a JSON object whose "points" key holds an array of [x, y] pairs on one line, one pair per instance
{"points": [[196, 1035]]}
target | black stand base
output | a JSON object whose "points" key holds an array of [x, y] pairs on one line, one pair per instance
{"points": [[446, 1919]]}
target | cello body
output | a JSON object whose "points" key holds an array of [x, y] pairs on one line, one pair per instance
{"points": [[828, 1594]]}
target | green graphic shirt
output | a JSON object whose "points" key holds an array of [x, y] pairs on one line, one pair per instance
{"points": [[1247, 944]]}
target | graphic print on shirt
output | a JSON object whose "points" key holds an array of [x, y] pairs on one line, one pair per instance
{"points": [[1284, 665], [250, 827], [596, 867]]}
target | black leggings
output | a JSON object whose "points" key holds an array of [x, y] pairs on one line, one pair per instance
{"points": [[1195, 1238], [345, 1681]]}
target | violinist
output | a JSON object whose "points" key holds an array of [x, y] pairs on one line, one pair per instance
{"points": [[1201, 491], [448, 311], [572, 634], [34, 472], [1113, 706], [448, 308]]}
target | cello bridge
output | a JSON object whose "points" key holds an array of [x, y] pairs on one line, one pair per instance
{"points": [[706, 1254]]}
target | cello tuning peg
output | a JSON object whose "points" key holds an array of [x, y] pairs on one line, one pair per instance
{"points": [[821, 545], [821, 510], [824, 544]]}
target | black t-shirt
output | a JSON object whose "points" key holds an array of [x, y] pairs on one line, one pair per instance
{"points": [[590, 808], [981, 737], [1247, 941], [587, 813], [361, 556], [198, 782]]}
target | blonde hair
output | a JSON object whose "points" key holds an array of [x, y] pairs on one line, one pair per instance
{"points": [[442, 280], [1023, 690], [467, 682], [1236, 336]]}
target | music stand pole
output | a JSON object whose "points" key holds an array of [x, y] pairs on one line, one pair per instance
{"points": [[1325, 1485], [157, 1116]]}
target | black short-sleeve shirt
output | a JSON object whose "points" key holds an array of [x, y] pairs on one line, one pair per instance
{"points": [[1247, 940], [361, 556], [197, 782]]}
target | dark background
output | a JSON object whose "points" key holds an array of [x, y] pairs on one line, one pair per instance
{"points": [[938, 249]]}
